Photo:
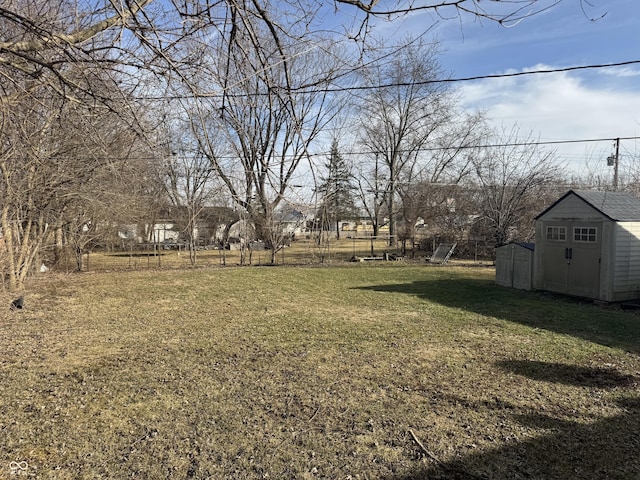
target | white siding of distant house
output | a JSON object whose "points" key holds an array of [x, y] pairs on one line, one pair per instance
{"points": [[159, 232], [163, 232]]}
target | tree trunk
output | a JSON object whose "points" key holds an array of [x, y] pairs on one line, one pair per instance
{"points": [[9, 247]]}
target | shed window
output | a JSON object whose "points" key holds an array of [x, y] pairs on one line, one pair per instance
{"points": [[557, 233], [584, 234]]}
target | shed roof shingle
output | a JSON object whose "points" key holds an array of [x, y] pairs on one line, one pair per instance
{"points": [[618, 206]]}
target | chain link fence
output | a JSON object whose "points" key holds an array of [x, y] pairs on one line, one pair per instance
{"points": [[303, 251]]}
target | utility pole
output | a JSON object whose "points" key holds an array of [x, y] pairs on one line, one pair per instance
{"points": [[615, 167], [614, 160]]}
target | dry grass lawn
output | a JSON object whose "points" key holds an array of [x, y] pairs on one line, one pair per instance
{"points": [[352, 372]]}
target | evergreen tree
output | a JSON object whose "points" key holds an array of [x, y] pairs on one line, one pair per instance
{"points": [[336, 191]]}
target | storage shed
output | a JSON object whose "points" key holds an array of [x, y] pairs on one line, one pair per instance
{"points": [[514, 265], [588, 245]]}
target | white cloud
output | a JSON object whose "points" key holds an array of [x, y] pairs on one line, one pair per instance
{"points": [[622, 72], [561, 106]]}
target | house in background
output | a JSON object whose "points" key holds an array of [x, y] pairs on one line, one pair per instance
{"points": [[588, 245]]}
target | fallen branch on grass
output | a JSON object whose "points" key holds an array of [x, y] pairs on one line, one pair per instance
{"points": [[441, 464], [314, 414], [425, 451]]}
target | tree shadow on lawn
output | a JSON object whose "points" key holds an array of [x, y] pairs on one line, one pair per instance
{"points": [[603, 447], [609, 326], [606, 448], [598, 377]]}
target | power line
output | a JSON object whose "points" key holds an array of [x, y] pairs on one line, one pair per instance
{"points": [[487, 145], [500, 145], [370, 152], [483, 77], [308, 89], [551, 142], [535, 72]]}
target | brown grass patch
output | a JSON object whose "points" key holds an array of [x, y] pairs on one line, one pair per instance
{"points": [[314, 373]]}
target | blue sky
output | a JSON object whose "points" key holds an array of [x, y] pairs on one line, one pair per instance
{"points": [[585, 104], [564, 35]]}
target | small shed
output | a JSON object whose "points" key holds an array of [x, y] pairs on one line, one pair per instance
{"points": [[514, 265], [588, 245]]}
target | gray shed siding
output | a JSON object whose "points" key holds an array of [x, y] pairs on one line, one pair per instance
{"points": [[504, 266], [572, 208], [607, 269], [514, 266], [573, 212], [626, 277]]}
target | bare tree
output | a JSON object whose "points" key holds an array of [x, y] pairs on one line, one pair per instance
{"points": [[188, 180], [514, 179], [494, 10], [437, 205], [51, 106], [429, 189], [268, 124], [255, 83], [371, 183], [24, 199], [412, 130], [55, 170]]}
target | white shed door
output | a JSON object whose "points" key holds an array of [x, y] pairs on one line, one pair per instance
{"points": [[571, 259]]}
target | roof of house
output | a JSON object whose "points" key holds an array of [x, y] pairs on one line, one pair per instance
{"points": [[526, 245], [617, 206]]}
